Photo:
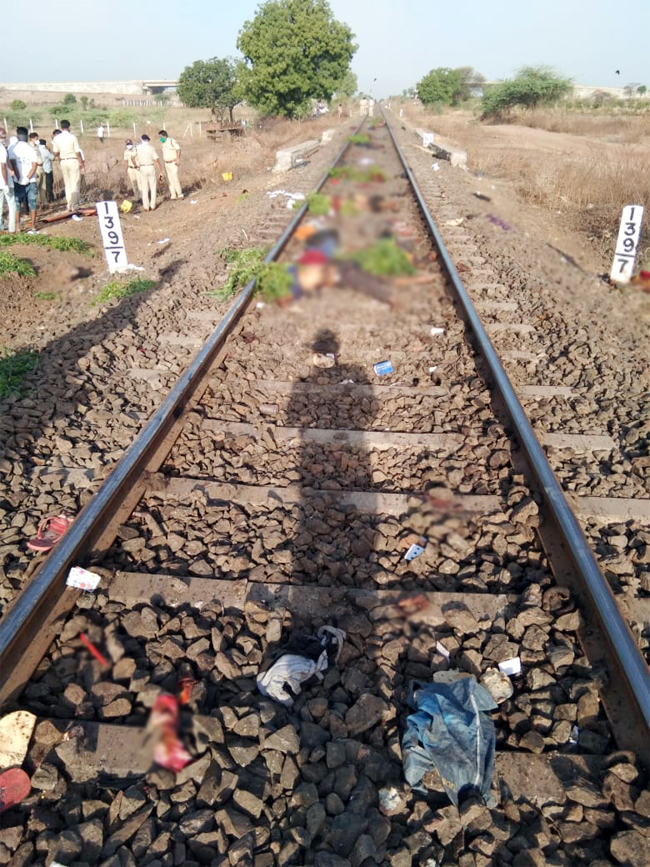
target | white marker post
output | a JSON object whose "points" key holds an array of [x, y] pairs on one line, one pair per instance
{"points": [[112, 238], [626, 244]]}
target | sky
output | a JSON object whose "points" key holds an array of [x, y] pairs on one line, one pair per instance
{"points": [[399, 40]]}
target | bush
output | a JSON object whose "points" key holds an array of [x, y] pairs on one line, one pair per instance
{"points": [[532, 86], [17, 105], [69, 99]]}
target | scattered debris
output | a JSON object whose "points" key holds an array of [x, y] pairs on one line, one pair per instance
{"points": [[15, 786], [304, 658], [511, 667], [436, 331], [391, 801], [164, 241], [126, 206], [414, 551], [82, 579], [436, 167], [324, 359], [451, 733], [497, 221], [77, 218], [15, 734], [383, 368], [457, 222], [185, 686], [168, 752], [91, 647], [482, 196], [50, 531]]}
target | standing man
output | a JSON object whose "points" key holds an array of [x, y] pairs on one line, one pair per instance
{"points": [[171, 153], [48, 172], [6, 187], [132, 170], [40, 178], [147, 157], [24, 163], [100, 132], [66, 147]]}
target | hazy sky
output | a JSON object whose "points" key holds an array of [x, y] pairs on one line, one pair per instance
{"points": [[399, 40]]}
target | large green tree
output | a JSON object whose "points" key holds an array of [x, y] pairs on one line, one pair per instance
{"points": [[532, 86], [294, 51], [211, 84], [444, 86]]}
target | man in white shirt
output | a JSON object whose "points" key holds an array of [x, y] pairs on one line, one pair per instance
{"points": [[24, 163], [6, 187], [66, 147], [100, 133], [48, 172]]}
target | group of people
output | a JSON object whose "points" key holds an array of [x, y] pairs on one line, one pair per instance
{"points": [[142, 162], [27, 171]]}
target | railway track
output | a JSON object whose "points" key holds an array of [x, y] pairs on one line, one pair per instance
{"points": [[278, 489]]}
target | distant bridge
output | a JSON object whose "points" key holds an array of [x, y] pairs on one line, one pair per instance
{"points": [[137, 87]]}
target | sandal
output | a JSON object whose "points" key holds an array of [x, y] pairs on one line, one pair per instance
{"points": [[50, 532], [15, 785]]}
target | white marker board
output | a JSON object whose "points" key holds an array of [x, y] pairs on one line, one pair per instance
{"points": [[112, 238], [626, 244]]}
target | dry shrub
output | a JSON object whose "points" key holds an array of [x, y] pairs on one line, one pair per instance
{"points": [[630, 129]]}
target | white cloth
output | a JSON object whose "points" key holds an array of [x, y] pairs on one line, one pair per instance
{"points": [[4, 158], [292, 671], [100, 132], [48, 156], [24, 157]]}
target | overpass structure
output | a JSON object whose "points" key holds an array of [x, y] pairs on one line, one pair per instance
{"points": [[138, 87]]}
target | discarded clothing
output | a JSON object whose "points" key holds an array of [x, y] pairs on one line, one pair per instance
{"points": [[450, 733], [304, 659]]}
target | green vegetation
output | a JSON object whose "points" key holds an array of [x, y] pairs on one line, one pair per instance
{"points": [[14, 367], [243, 196], [272, 279], [347, 86], [384, 259], [318, 204], [10, 264], [50, 241], [17, 105], [533, 86], [69, 99], [294, 51], [47, 296], [84, 103], [118, 289], [361, 176], [211, 84], [444, 86], [360, 138]]}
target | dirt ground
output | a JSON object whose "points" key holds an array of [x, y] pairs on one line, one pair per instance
{"points": [[567, 189]]}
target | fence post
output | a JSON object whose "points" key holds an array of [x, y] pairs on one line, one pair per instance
{"points": [[31, 125], [200, 132], [6, 125], [81, 124], [134, 132]]}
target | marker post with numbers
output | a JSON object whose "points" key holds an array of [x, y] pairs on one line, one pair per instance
{"points": [[112, 238], [626, 244]]}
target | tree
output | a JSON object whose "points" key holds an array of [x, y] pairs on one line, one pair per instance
{"points": [[348, 85], [294, 51], [642, 89], [210, 84], [532, 86], [84, 103], [629, 90], [162, 98], [444, 86], [17, 105], [69, 99]]}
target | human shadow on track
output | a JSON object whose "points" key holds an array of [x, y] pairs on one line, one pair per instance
{"points": [[334, 542]]}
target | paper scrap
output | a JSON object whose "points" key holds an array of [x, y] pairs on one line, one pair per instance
{"points": [[511, 666], [435, 331], [83, 579], [413, 552]]}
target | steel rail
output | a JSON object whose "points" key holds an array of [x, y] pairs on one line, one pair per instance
{"points": [[38, 597], [629, 660]]}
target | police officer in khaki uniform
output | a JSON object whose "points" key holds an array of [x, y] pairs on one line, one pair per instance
{"points": [[171, 153], [66, 147], [147, 158], [132, 170]]}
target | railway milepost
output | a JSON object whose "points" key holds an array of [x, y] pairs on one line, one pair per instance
{"points": [[112, 237]]}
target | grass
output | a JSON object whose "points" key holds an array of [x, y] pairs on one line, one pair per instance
{"points": [[14, 367], [384, 259], [362, 176], [47, 296], [118, 289], [360, 138], [273, 280], [318, 204], [51, 242], [10, 264]]}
